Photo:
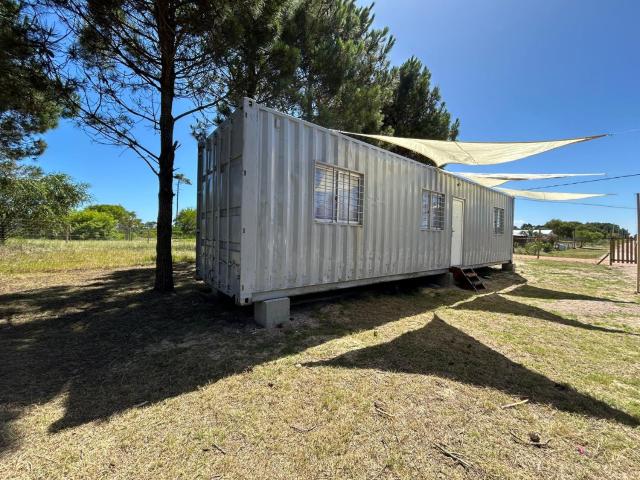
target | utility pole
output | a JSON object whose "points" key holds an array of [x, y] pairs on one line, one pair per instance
{"points": [[178, 199], [180, 178], [638, 243]]}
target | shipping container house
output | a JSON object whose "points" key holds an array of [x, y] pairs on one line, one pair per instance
{"points": [[286, 207]]}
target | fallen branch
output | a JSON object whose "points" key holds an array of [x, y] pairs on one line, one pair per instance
{"points": [[510, 405], [302, 429], [453, 455], [380, 408], [216, 447], [537, 443]]}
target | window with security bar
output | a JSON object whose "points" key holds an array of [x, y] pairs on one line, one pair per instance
{"points": [[433, 205], [498, 221], [338, 195]]}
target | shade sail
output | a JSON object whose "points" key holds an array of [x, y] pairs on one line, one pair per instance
{"points": [[474, 153], [495, 179], [549, 195]]}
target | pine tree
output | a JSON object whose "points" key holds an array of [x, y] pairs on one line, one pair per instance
{"points": [[342, 78], [134, 64], [415, 109], [30, 100]]}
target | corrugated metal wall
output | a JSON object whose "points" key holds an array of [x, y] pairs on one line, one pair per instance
{"points": [[283, 247], [218, 256]]}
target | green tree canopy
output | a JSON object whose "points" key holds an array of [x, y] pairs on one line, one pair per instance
{"points": [[416, 109], [127, 222], [262, 65], [342, 78], [118, 212], [567, 229], [587, 235], [186, 221], [320, 60], [561, 228], [30, 100], [607, 229], [91, 224], [31, 200], [323, 61]]}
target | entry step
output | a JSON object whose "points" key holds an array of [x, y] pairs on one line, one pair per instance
{"points": [[467, 277]]}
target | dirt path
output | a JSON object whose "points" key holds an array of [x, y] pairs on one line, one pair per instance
{"points": [[557, 259], [629, 269]]}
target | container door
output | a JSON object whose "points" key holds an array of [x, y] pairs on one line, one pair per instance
{"points": [[457, 231]]}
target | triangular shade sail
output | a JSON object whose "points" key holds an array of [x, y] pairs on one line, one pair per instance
{"points": [[495, 179], [474, 153], [548, 195]]}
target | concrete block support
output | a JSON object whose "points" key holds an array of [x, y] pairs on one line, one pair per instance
{"points": [[444, 280], [271, 313], [508, 267]]}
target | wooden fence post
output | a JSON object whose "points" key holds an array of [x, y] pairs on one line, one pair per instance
{"points": [[638, 244], [611, 249]]}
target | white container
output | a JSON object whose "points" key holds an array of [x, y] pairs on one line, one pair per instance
{"points": [[259, 235]]}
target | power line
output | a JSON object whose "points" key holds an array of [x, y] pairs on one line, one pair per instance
{"points": [[586, 181], [579, 203], [631, 130]]}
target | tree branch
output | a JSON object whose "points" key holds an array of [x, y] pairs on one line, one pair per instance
{"points": [[196, 109]]}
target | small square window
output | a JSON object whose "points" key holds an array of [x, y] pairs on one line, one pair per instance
{"points": [[498, 221], [432, 210], [338, 195]]}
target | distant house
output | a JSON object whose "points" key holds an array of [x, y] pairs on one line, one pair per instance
{"points": [[522, 237]]}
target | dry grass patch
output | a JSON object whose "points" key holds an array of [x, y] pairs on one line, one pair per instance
{"points": [[99, 377], [36, 256]]}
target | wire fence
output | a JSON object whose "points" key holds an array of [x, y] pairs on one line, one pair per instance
{"points": [[60, 231], [38, 248]]}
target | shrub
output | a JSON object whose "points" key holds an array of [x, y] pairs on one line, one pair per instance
{"points": [[91, 224]]}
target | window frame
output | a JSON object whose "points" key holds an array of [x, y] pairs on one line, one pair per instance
{"points": [[431, 194], [498, 220], [333, 193], [336, 205]]}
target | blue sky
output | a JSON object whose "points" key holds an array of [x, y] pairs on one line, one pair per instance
{"points": [[511, 70]]}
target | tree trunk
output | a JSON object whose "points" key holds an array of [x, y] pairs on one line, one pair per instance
{"points": [[164, 262], [252, 80], [308, 107], [177, 198], [3, 234], [165, 18]]}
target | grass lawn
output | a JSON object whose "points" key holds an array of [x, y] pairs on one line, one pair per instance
{"points": [[586, 253], [593, 253], [102, 378], [23, 256]]}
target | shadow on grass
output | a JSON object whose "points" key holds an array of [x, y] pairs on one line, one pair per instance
{"points": [[529, 291], [497, 303], [443, 350], [112, 344]]}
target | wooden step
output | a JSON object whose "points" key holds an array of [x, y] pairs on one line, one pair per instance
{"points": [[469, 278]]}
